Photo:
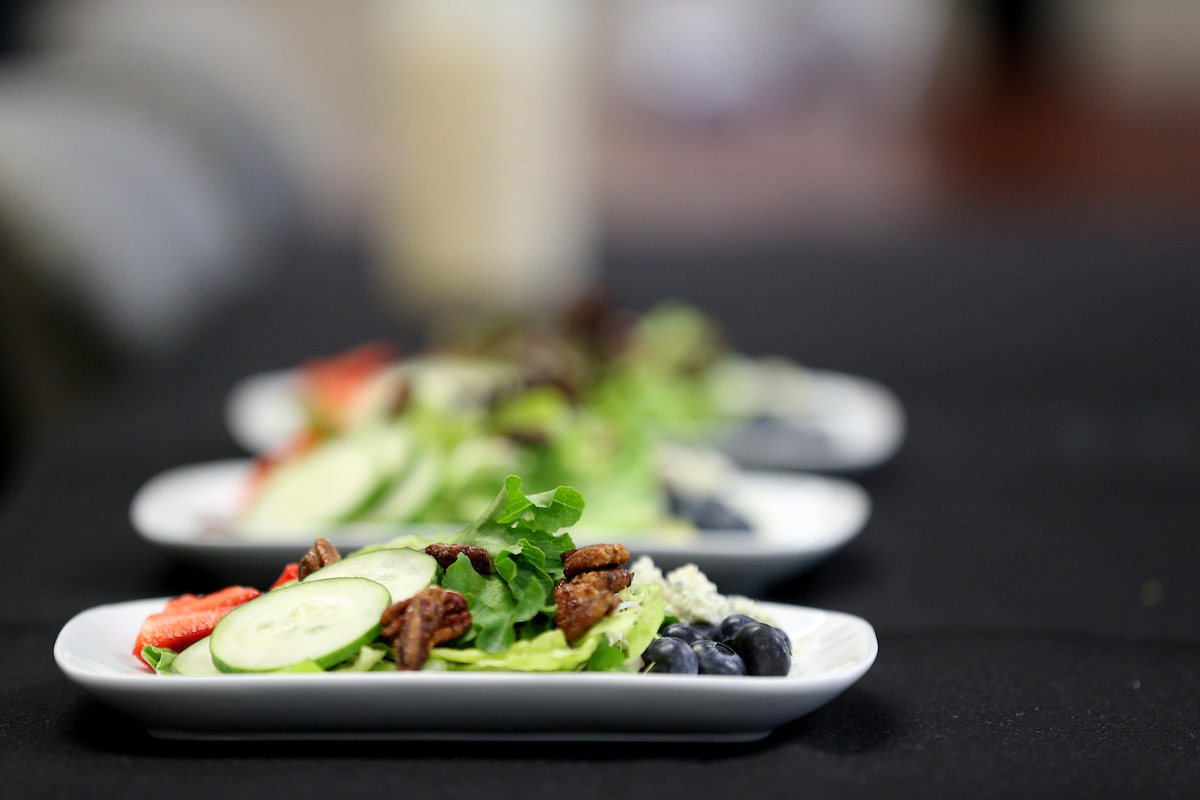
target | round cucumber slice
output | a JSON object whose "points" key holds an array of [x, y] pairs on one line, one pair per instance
{"points": [[409, 496], [402, 572], [323, 621], [196, 660], [331, 484]]}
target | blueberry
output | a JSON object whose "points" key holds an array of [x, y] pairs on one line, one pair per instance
{"points": [[716, 659], [707, 514], [730, 626], [670, 655], [765, 650], [706, 630], [683, 633]]}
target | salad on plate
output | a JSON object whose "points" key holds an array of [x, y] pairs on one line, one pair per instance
{"points": [[510, 592], [667, 372], [424, 440]]}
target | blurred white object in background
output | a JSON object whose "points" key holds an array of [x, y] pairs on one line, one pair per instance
{"points": [[737, 120], [699, 59], [240, 58], [704, 60], [1144, 54], [484, 195], [120, 212], [155, 154]]}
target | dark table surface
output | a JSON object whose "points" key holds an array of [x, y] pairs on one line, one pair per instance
{"points": [[1030, 567]]}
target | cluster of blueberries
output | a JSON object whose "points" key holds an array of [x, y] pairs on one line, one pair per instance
{"points": [[739, 645]]}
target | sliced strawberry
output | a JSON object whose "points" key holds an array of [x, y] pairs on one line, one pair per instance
{"points": [[226, 598], [290, 573], [332, 382], [177, 631]]}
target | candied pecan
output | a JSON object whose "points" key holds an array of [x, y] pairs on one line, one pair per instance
{"points": [[613, 580], [580, 606], [594, 556], [422, 622], [446, 554], [322, 555]]}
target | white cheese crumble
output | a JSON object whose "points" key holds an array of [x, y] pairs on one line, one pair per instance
{"points": [[691, 597]]}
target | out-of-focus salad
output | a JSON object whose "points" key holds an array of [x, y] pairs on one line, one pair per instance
{"points": [[600, 403], [509, 592]]}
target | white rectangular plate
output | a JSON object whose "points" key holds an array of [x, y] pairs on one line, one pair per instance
{"points": [[832, 651]]}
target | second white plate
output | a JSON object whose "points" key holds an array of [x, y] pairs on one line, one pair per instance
{"points": [[796, 521], [834, 422]]}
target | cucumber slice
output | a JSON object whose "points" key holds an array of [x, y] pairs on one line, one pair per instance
{"points": [[409, 496], [333, 483], [401, 571], [196, 660], [394, 448], [321, 621]]}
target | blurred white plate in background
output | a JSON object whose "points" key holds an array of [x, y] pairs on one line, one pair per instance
{"points": [[836, 422], [796, 520]]}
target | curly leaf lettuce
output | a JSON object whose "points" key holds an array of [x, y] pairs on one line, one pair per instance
{"points": [[518, 533], [539, 513]]}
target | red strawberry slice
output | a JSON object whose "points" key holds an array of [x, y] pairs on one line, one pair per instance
{"points": [[333, 382], [226, 598], [177, 631], [290, 573]]}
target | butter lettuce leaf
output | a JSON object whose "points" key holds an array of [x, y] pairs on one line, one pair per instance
{"points": [[633, 627], [546, 652]]}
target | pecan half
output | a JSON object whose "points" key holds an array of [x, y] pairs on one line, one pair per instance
{"points": [[447, 554], [580, 606], [594, 556], [612, 580], [422, 622], [322, 555]]}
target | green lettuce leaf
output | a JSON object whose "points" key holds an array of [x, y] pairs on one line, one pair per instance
{"points": [[548, 512], [517, 532], [366, 659], [607, 657], [493, 606], [159, 658], [303, 666], [546, 652], [632, 628]]}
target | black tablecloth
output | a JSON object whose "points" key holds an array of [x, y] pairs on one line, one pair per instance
{"points": [[1030, 566]]}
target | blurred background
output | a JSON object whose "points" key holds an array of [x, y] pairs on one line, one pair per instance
{"points": [[163, 160]]}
